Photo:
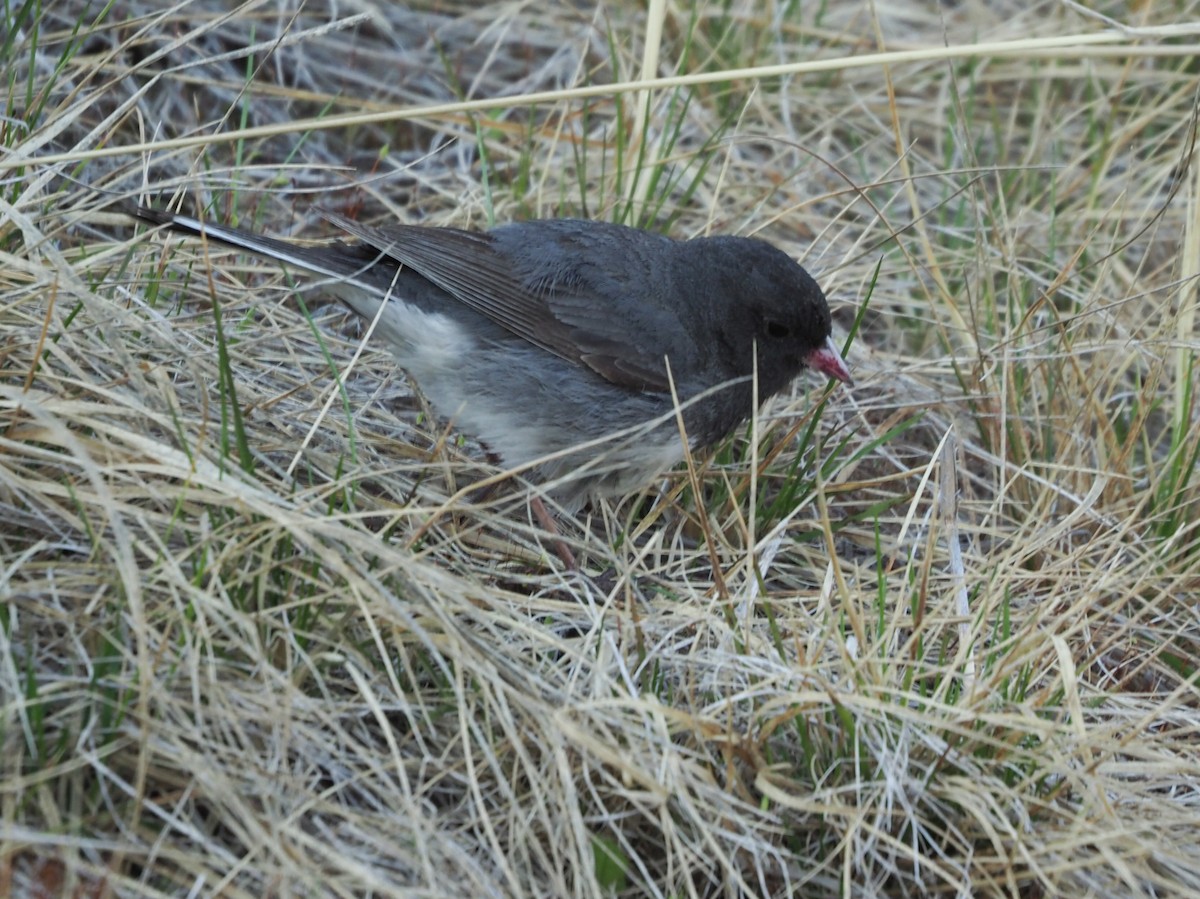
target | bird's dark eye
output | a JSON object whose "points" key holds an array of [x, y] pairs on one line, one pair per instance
{"points": [[778, 331]]}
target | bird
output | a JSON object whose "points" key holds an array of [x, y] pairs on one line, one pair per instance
{"points": [[587, 351]]}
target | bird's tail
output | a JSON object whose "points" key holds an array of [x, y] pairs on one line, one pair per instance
{"points": [[341, 262]]}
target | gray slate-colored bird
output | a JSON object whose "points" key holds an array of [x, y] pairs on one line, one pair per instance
{"points": [[540, 336]]}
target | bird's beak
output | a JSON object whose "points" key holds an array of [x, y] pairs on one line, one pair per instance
{"points": [[828, 360]]}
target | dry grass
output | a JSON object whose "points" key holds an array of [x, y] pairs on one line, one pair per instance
{"points": [[257, 637]]}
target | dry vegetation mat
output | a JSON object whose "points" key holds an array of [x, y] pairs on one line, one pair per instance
{"points": [[261, 634]]}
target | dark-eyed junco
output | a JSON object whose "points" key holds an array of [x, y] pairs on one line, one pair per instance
{"points": [[564, 338]]}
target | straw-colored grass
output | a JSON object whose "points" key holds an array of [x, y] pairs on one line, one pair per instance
{"points": [[936, 634]]}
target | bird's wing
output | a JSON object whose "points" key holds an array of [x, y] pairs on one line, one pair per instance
{"points": [[566, 319]]}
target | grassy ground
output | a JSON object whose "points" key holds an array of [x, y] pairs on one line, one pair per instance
{"points": [[933, 635]]}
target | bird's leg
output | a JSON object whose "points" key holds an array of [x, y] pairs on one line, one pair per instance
{"points": [[546, 520], [540, 512]]}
